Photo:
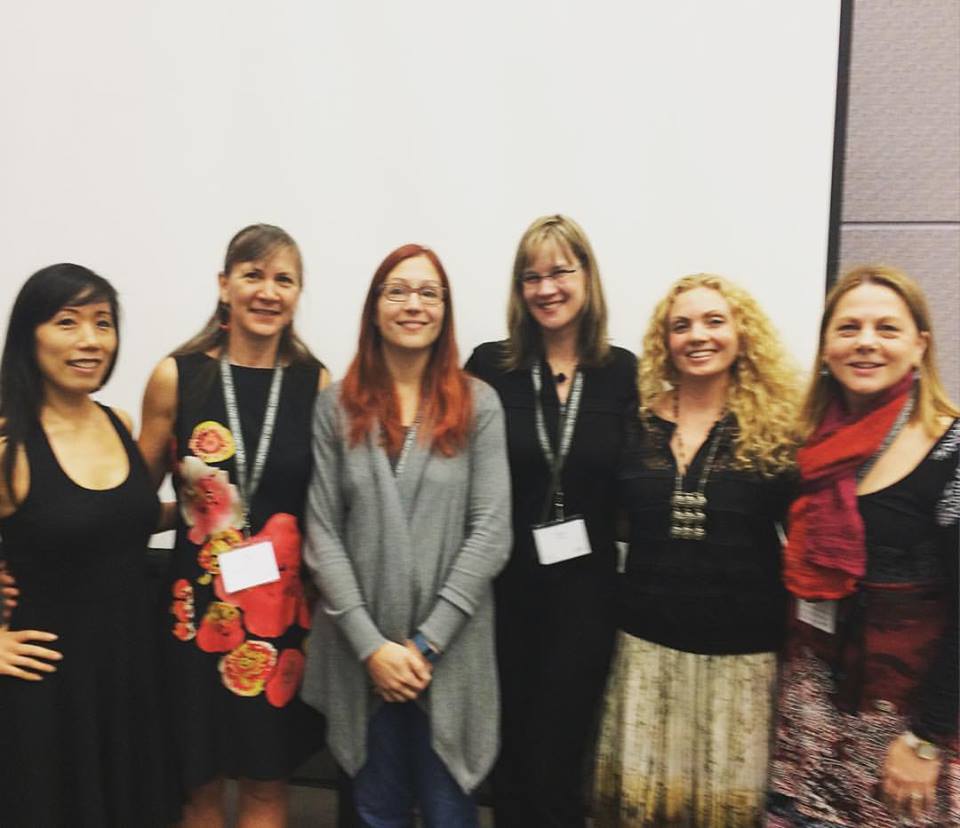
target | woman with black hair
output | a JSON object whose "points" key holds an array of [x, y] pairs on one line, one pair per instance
{"points": [[76, 509]]}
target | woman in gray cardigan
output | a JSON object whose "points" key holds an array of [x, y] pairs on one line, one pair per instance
{"points": [[408, 521]]}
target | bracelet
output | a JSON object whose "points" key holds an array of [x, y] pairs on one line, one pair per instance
{"points": [[427, 650], [921, 747]]}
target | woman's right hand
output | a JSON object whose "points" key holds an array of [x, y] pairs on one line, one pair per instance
{"points": [[8, 592], [18, 657], [399, 673]]}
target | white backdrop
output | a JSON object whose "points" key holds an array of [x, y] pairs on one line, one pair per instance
{"points": [[685, 136]]}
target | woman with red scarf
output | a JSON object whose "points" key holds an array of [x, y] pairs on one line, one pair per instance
{"points": [[868, 708]]}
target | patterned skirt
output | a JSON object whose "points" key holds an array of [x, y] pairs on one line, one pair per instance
{"points": [[825, 771], [684, 739]]}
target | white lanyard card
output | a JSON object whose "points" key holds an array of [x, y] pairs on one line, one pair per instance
{"points": [[821, 615], [248, 566], [561, 540]]}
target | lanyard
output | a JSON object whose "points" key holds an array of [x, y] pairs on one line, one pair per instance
{"points": [[248, 482], [568, 420]]}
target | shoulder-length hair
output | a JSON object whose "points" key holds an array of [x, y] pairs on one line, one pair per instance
{"points": [[251, 244], [367, 392], [762, 394], [525, 339], [21, 382], [932, 399]]}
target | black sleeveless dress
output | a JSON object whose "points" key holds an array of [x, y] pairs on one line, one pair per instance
{"points": [[234, 661], [81, 747]]}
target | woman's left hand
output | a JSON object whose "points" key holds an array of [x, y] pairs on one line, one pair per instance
{"points": [[909, 782]]}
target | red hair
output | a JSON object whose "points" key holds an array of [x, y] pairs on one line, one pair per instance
{"points": [[367, 391]]}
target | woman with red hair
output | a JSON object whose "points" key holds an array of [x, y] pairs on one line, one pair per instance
{"points": [[408, 522]]}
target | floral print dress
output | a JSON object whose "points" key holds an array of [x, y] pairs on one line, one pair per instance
{"points": [[234, 661]]}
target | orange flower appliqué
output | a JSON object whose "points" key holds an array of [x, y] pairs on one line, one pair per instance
{"points": [[209, 555], [270, 609], [245, 670], [182, 609], [285, 681], [221, 630], [209, 502], [211, 442]]}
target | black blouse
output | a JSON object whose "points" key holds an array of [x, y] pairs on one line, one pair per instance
{"points": [[589, 477], [719, 595]]}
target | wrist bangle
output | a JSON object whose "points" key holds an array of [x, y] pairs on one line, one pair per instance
{"points": [[921, 747], [427, 650]]}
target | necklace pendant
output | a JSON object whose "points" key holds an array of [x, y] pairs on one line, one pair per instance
{"points": [[688, 517]]}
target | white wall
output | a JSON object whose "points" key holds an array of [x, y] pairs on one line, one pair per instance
{"points": [[684, 136]]}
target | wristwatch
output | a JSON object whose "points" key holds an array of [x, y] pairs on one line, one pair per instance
{"points": [[427, 650], [921, 747]]}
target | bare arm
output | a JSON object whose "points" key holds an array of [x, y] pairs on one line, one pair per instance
{"points": [[158, 418]]}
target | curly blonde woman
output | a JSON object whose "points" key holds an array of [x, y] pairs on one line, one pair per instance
{"points": [[686, 725]]}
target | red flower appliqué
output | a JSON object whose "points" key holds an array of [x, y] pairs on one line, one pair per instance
{"points": [[211, 442], [269, 609], [245, 669], [182, 610], [283, 684], [209, 502], [221, 630]]}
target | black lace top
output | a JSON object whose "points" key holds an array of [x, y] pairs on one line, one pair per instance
{"points": [[720, 595]]}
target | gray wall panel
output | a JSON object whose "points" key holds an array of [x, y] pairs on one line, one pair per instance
{"points": [[902, 160]]}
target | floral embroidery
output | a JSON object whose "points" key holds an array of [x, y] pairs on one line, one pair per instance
{"points": [[211, 442], [209, 502], [221, 630], [245, 670], [285, 680], [269, 609], [209, 555], [182, 610]]}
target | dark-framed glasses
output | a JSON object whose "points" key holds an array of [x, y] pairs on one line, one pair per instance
{"points": [[559, 275], [430, 293]]}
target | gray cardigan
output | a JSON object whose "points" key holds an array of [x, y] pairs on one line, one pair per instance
{"points": [[393, 556]]}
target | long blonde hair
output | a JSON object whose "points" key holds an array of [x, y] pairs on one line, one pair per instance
{"points": [[932, 400], [524, 343], [763, 390]]}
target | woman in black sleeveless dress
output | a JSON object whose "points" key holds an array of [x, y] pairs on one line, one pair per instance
{"points": [[234, 660], [77, 712]]}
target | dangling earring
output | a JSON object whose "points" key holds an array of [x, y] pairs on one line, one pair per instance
{"points": [[824, 371], [223, 312]]}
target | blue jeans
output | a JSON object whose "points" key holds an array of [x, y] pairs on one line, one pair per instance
{"points": [[403, 771]]}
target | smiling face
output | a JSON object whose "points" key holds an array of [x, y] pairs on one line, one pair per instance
{"points": [[702, 338], [410, 324], [76, 347], [553, 286], [262, 295], [871, 342]]}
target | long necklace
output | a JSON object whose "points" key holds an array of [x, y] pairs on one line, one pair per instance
{"points": [[688, 516]]}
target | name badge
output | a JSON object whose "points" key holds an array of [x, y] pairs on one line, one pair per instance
{"points": [[248, 566], [819, 614], [561, 541]]}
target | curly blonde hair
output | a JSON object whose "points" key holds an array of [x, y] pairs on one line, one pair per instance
{"points": [[763, 392]]}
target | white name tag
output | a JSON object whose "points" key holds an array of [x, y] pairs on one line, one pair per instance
{"points": [[819, 614], [248, 566], [561, 541]]}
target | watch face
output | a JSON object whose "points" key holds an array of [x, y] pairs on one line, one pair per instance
{"points": [[927, 751]]}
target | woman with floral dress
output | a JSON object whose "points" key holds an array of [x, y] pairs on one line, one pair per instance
{"points": [[229, 414]]}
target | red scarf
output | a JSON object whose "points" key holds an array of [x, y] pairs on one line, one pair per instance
{"points": [[826, 551]]}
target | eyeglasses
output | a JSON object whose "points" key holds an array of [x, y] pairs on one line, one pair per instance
{"points": [[531, 279], [430, 294]]}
